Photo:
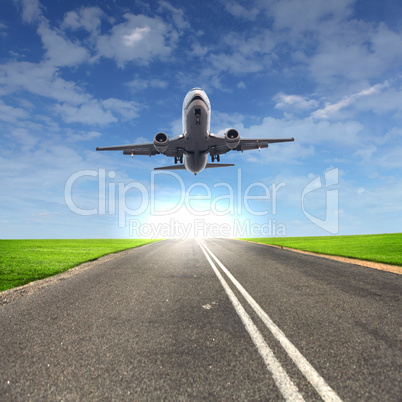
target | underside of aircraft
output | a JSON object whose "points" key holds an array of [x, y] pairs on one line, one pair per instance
{"points": [[190, 149]]}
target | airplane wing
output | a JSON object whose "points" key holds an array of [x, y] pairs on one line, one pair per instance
{"points": [[175, 148], [218, 144], [258, 143]]}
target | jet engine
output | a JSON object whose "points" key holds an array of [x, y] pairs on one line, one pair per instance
{"points": [[232, 138], [161, 142]]}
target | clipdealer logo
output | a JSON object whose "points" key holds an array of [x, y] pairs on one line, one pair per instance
{"points": [[331, 221], [200, 228], [112, 199]]}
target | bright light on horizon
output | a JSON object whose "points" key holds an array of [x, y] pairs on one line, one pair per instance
{"points": [[185, 224]]}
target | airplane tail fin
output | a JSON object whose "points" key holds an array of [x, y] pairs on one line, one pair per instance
{"points": [[182, 167]]}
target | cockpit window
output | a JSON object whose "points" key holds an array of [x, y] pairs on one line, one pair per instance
{"points": [[197, 97]]}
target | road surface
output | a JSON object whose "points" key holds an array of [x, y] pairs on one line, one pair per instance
{"points": [[211, 320]]}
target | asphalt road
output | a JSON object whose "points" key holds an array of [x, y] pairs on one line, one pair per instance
{"points": [[168, 321]]}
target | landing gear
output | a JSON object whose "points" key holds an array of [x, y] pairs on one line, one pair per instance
{"points": [[197, 113], [178, 159], [215, 158]]}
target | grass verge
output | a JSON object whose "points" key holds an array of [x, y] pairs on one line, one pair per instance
{"points": [[24, 261], [383, 248]]}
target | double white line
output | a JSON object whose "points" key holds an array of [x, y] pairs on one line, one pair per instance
{"points": [[282, 380]]}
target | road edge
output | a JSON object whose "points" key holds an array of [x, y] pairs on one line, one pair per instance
{"points": [[13, 294], [395, 269]]}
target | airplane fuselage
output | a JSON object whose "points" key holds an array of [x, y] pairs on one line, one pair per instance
{"points": [[192, 147], [196, 124]]}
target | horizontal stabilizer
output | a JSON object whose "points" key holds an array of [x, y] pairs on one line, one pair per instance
{"points": [[174, 167], [216, 165], [182, 167]]}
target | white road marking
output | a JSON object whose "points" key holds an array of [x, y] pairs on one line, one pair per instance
{"points": [[282, 380], [323, 389]]}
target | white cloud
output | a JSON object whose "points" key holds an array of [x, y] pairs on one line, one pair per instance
{"points": [[332, 141], [11, 114], [294, 102], [87, 113], [31, 10], [393, 135], [74, 105], [319, 36], [299, 16], [82, 136], [239, 11], [386, 44], [234, 63], [177, 14], [23, 137], [139, 39], [128, 110], [244, 53], [356, 51], [198, 50], [222, 120], [338, 142], [3, 30], [139, 84], [140, 140], [88, 18], [61, 51], [308, 131], [366, 153], [97, 112], [332, 109], [389, 158], [40, 79], [388, 99], [135, 36]]}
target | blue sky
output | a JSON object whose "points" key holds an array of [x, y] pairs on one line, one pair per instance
{"points": [[76, 75]]}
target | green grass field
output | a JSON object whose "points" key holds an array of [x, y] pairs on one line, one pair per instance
{"points": [[384, 248], [24, 261]]}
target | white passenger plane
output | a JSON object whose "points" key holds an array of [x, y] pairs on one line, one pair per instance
{"points": [[193, 146]]}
